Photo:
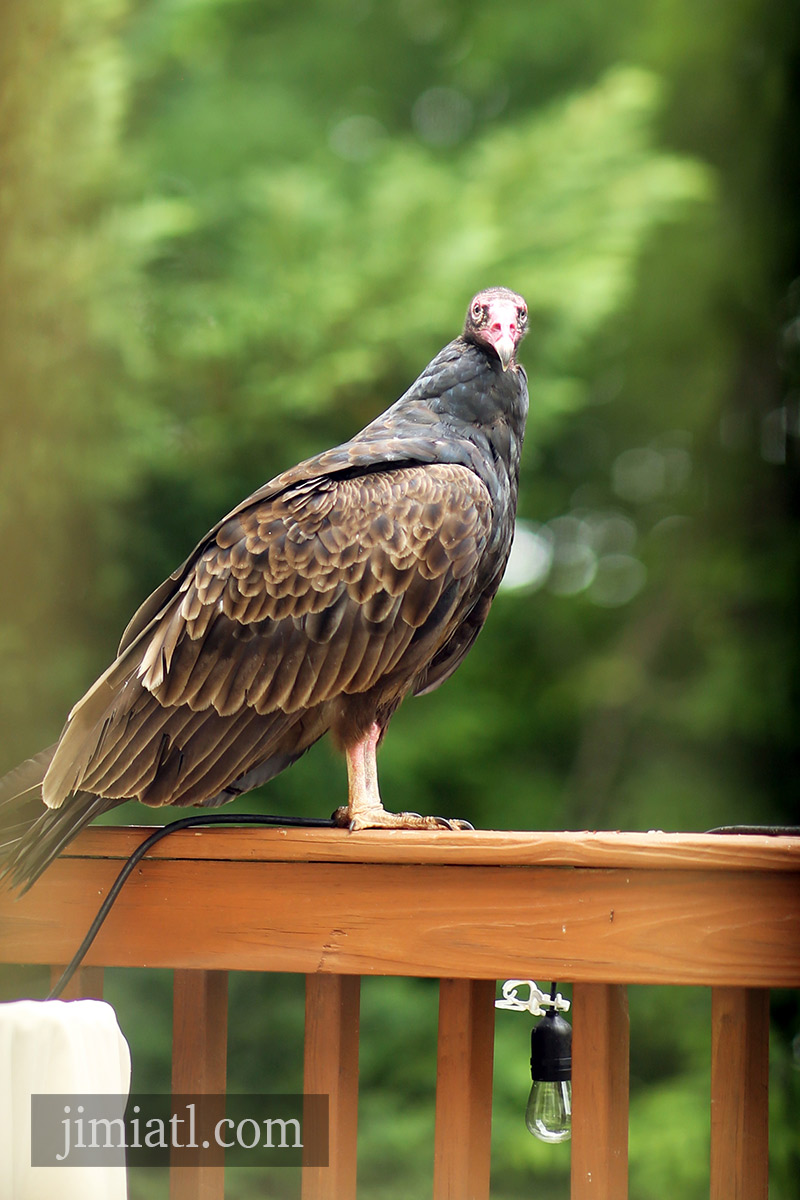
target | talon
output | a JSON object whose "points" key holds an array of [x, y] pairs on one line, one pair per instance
{"points": [[378, 818]]}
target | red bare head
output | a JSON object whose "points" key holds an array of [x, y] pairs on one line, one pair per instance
{"points": [[498, 318]]}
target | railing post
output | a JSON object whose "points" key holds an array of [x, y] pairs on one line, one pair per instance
{"points": [[739, 1093], [331, 1068], [600, 1076], [85, 984], [464, 1089], [199, 1064]]}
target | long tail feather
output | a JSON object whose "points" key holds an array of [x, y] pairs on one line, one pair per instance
{"points": [[31, 836], [45, 837], [24, 781], [21, 799]]}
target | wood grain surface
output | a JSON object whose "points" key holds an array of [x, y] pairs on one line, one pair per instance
{"points": [[660, 851], [651, 921]]}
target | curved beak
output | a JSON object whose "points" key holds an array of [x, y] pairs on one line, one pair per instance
{"points": [[502, 331], [505, 345]]}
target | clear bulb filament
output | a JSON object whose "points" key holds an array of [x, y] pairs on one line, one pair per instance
{"points": [[549, 1112]]}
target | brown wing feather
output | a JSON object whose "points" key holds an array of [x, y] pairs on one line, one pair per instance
{"points": [[324, 590]]}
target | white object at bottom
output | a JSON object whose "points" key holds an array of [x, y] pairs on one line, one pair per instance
{"points": [[56, 1047]]}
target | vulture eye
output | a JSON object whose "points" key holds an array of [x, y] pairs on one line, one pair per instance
{"points": [[522, 316], [477, 311]]}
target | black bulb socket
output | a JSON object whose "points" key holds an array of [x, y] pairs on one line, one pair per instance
{"points": [[551, 1049]]}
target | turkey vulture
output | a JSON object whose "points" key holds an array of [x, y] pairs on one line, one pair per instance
{"points": [[316, 605]]}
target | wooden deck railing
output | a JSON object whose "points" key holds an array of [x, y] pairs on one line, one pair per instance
{"points": [[598, 910]]}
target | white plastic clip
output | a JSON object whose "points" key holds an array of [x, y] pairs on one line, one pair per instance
{"points": [[537, 1002]]}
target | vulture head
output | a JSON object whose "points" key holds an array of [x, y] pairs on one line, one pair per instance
{"points": [[497, 318]]}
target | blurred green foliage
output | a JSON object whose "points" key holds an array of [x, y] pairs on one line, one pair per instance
{"points": [[232, 232]]}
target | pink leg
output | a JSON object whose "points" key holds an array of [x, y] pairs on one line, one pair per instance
{"points": [[364, 807], [362, 772]]}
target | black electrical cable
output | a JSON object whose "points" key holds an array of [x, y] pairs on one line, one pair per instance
{"points": [[139, 853], [763, 830]]}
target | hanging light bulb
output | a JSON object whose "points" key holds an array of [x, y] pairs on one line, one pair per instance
{"points": [[549, 1112]]}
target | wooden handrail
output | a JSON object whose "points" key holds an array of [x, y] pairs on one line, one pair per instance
{"points": [[659, 851], [599, 910], [567, 903]]}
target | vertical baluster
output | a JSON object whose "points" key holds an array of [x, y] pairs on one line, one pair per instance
{"points": [[600, 1075], [199, 1064], [85, 984], [739, 1093], [464, 1089], [331, 1069]]}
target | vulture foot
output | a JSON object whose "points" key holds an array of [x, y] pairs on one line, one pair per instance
{"points": [[377, 817], [364, 809]]}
